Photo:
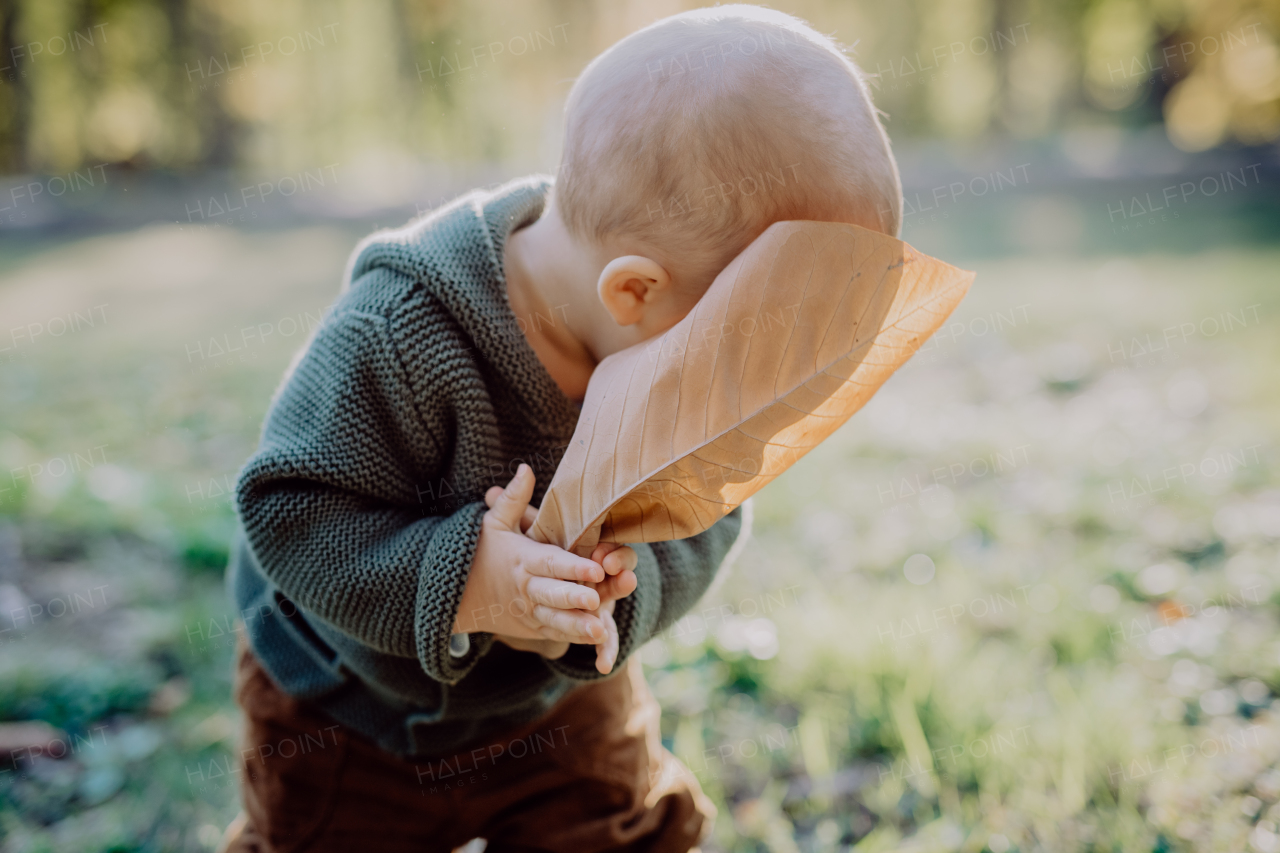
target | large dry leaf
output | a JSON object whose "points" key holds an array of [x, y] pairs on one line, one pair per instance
{"points": [[792, 338]]}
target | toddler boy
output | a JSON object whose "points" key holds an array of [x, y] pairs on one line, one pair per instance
{"points": [[379, 553]]}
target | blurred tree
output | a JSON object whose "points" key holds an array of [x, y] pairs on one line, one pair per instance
{"points": [[285, 85]]}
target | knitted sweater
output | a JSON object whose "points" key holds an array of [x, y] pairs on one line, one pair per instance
{"points": [[360, 511]]}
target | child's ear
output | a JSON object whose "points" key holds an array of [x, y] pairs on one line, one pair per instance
{"points": [[629, 286]]}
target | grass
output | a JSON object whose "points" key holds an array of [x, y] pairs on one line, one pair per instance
{"points": [[969, 621]]}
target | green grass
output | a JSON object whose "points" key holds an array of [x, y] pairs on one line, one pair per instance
{"points": [[1043, 689]]}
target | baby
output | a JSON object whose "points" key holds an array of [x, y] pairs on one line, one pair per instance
{"points": [[380, 556], [683, 143]]}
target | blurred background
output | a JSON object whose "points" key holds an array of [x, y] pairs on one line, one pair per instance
{"points": [[1026, 600]]}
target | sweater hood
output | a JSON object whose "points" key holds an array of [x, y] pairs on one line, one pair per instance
{"points": [[455, 254], [411, 248]]}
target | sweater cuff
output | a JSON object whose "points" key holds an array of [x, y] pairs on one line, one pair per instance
{"points": [[442, 578], [636, 617]]}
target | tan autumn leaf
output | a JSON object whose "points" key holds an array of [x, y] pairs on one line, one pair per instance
{"points": [[791, 339]]}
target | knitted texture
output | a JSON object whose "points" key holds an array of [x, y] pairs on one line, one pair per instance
{"points": [[360, 511]]}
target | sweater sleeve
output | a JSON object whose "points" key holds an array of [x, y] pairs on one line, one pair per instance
{"points": [[331, 505], [671, 577]]}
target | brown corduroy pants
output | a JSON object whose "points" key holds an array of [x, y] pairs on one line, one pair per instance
{"points": [[592, 775]]}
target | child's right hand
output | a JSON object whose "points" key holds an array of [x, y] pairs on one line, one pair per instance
{"points": [[618, 562], [527, 589]]}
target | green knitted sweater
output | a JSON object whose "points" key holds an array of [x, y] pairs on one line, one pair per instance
{"points": [[360, 511]]}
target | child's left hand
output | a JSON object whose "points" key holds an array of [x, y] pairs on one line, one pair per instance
{"points": [[619, 563]]}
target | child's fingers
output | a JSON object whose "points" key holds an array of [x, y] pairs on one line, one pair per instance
{"points": [[599, 552], [607, 651], [508, 507], [530, 512], [576, 625], [624, 559], [614, 558], [553, 562], [565, 595], [600, 555], [619, 586]]}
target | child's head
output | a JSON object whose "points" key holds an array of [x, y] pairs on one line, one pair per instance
{"points": [[687, 139]]}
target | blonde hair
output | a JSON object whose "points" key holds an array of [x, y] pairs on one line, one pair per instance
{"points": [[694, 134]]}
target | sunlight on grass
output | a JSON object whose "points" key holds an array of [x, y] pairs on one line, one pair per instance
{"points": [[1025, 600]]}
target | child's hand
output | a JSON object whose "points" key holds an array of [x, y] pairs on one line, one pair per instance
{"points": [[618, 561], [527, 589], [620, 566], [554, 650]]}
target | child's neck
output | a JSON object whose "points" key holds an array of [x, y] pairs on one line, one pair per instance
{"points": [[552, 294], [552, 282]]}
